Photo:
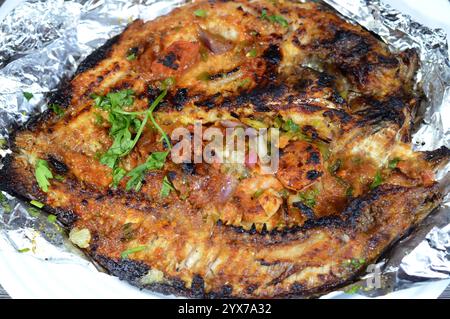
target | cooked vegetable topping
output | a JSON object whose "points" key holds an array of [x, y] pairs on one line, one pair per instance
{"points": [[80, 237]]}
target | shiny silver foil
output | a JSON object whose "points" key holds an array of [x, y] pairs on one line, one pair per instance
{"points": [[43, 42]]}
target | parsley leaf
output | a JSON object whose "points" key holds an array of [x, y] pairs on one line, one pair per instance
{"points": [[56, 109], [156, 160], [309, 197], [252, 53], [290, 126], [274, 19], [393, 163], [377, 181], [167, 187], [27, 95], [43, 174], [37, 204], [200, 13], [127, 252]]}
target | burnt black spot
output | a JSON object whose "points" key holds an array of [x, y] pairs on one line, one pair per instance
{"points": [[325, 79], [169, 60], [313, 158], [390, 110], [98, 55], [171, 175], [388, 61], [437, 155], [125, 269], [209, 102], [338, 114], [59, 166], [180, 98], [272, 54], [66, 217], [304, 209], [198, 286], [313, 175], [188, 168]]}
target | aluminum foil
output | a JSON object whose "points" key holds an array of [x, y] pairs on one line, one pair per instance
{"points": [[43, 42]]}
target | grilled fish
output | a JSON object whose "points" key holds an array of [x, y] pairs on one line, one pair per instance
{"points": [[348, 184]]}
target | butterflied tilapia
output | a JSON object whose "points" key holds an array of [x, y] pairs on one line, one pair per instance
{"points": [[347, 183]]}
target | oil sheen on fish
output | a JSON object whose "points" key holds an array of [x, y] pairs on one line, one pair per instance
{"points": [[348, 184]]}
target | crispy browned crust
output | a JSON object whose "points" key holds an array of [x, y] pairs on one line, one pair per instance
{"points": [[360, 91]]}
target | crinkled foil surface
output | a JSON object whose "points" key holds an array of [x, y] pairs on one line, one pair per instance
{"points": [[42, 43]]}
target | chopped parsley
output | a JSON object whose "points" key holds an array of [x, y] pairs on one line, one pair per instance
{"points": [[377, 181], [309, 197], [23, 250], [123, 125], [167, 187], [130, 251], [290, 126], [56, 109], [252, 53], [200, 13], [43, 174], [118, 174], [51, 218], [131, 56], [37, 204], [156, 160], [393, 163], [27, 95], [353, 290], [5, 204], [274, 19]]}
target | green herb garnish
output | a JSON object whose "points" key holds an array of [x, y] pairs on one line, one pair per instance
{"points": [[252, 53], [5, 204], [200, 13], [51, 218], [37, 204], [130, 251], [274, 19], [155, 161], [393, 163], [43, 174], [290, 126], [309, 197], [377, 181], [23, 250], [166, 187], [27, 95], [56, 109], [131, 56]]}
